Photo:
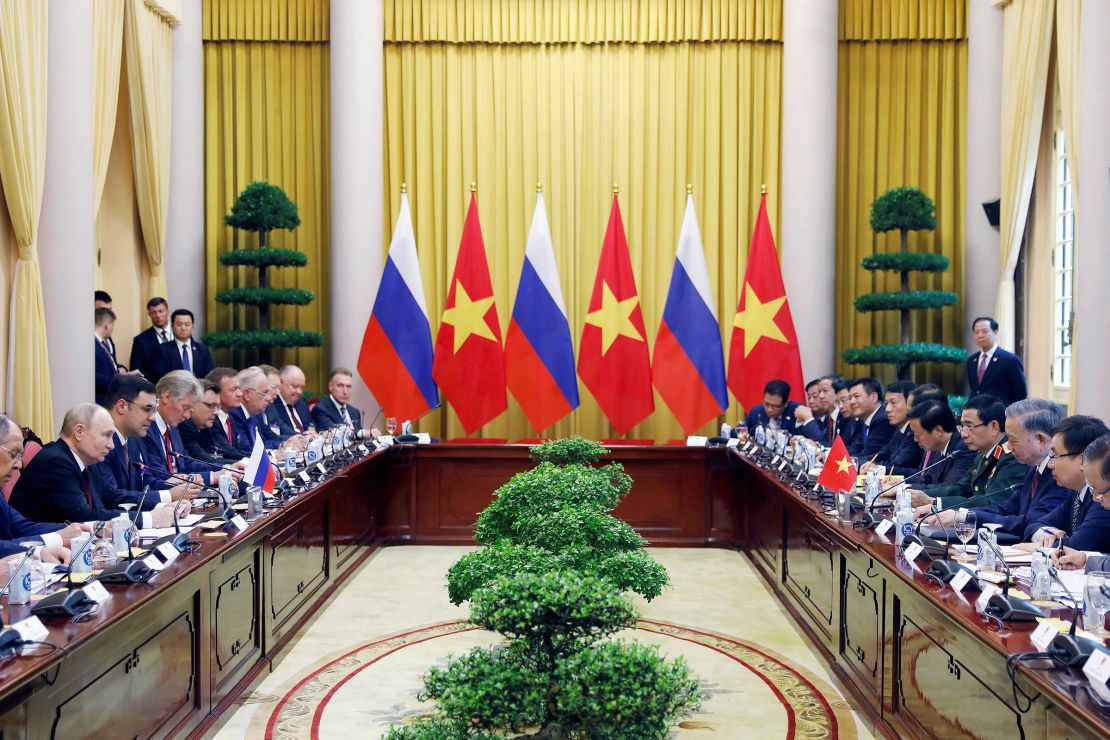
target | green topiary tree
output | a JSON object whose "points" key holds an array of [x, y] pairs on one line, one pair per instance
{"points": [[261, 208], [905, 210], [559, 676]]}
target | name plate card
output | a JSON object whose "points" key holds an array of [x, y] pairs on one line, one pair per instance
{"points": [[1043, 636], [989, 590], [913, 552], [733, 442], [884, 526], [239, 522], [168, 552], [696, 441], [960, 580], [151, 561], [1097, 667], [31, 629], [95, 590]]}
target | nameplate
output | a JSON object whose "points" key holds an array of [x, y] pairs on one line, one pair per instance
{"points": [[95, 590], [960, 580], [775, 460], [385, 440], [152, 562], [239, 522], [362, 449], [304, 477], [31, 629], [783, 464], [1097, 667], [989, 590], [733, 442], [321, 469], [1044, 634], [914, 551], [168, 552], [423, 438], [696, 441], [884, 526]]}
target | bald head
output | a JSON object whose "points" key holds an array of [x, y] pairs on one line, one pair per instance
{"points": [[292, 384]]}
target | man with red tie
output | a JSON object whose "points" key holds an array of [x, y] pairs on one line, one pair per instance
{"points": [[224, 435], [289, 410], [993, 370]]}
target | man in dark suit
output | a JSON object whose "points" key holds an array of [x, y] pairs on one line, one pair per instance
{"points": [[776, 412], [1029, 425], [336, 408], [146, 356], [197, 432], [289, 411], [901, 453], [184, 352], [993, 370], [58, 484], [1079, 520], [871, 431], [106, 367], [248, 419], [946, 459]]}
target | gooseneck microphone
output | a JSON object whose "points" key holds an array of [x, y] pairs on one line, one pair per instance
{"points": [[1073, 649], [1003, 606], [916, 536], [869, 520]]}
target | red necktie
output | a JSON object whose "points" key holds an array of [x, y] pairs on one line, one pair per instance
{"points": [[1036, 480], [982, 365], [230, 436], [296, 419], [169, 451], [88, 486]]}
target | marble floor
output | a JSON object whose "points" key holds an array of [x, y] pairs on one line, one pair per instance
{"points": [[356, 669]]}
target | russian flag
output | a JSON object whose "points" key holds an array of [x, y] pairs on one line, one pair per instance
{"points": [[689, 366], [395, 360], [259, 471], [539, 355]]}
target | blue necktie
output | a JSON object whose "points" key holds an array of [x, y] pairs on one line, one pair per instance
{"points": [[185, 358]]}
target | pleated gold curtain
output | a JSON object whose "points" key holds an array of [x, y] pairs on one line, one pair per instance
{"points": [[266, 118], [107, 57], [23, 62], [901, 120], [579, 95]]}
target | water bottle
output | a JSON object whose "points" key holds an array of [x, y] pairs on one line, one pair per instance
{"points": [[314, 453], [19, 578], [290, 462], [904, 499], [726, 430], [121, 529], [871, 487], [903, 522], [985, 554], [1041, 586], [760, 436], [80, 545]]}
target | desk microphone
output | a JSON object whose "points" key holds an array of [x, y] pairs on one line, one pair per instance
{"points": [[1003, 606], [10, 639], [73, 601], [869, 520], [412, 438], [945, 570], [175, 476], [1074, 649], [916, 537]]}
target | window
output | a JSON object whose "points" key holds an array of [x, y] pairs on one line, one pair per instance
{"points": [[1063, 261]]}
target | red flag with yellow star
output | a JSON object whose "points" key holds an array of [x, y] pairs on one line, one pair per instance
{"points": [[839, 473], [764, 346], [469, 364], [613, 354]]}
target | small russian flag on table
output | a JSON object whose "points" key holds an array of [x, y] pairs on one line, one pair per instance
{"points": [[259, 471]]}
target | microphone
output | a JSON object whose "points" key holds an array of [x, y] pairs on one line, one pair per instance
{"points": [[869, 520], [371, 424], [412, 438], [212, 465], [1074, 650], [916, 536], [80, 551], [139, 508], [70, 602], [1003, 606], [10, 639], [945, 570], [175, 476]]}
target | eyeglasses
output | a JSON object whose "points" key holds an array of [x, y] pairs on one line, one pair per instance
{"points": [[965, 426], [1097, 495], [15, 455], [1053, 456], [212, 406], [150, 409]]}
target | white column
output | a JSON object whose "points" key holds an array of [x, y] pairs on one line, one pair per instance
{"points": [[1092, 320], [67, 229], [356, 177], [984, 151], [809, 176], [185, 259]]}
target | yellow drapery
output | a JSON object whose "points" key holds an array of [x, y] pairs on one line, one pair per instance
{"points": [[23, 43], [148, 46], [901, 120], [266, 118], [577, 117], [107, 56]]}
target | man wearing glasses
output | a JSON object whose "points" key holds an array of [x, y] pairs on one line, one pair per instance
{"points": [[778, 413], [1079, 520], [1096, 469]]}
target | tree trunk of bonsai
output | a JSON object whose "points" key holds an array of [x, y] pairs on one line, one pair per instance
{"points": [[904, 368], [264, 308]]}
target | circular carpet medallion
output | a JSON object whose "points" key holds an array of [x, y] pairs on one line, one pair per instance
{"points": [[751, 691]]}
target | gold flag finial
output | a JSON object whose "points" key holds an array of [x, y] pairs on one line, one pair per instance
{"points": [[763, 189], [616, 188], [539, 187], [689, 188], [473, 186], [404, 187]]}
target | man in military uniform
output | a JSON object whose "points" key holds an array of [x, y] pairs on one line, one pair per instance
{"points": [[994, 470]]}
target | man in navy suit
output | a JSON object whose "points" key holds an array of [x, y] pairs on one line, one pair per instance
{"points": [[336, 408], [249, 418], [225, 433], [1079, 519], [184, 352], [901, 454], [947, 459], [777, 412], [59, 484], [289, 410], [106, 367], [993, 370], [871, 430], [146, 356], [202, 439], [1029, 425], [1096, 472]]}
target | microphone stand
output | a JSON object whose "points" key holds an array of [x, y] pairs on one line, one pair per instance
{"points": [[916, 536], [412, 438], [869, 520], [139, 509], [1074, 649], [1003, 606], [10, 639], [945, 570]]}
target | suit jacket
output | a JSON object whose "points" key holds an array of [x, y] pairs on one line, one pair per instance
{"points": [[1039, 494], [1097, 563], [995, 470], [208, 444], [279, 414], [124, 483], [1004, 377], [171, 358], [105, 371], [1093, 532], [16, 528], [865, 441], [52, 488], [901, 454], [154, 448], [245, 429], [146, 356], [951, 469], [326, 415]]}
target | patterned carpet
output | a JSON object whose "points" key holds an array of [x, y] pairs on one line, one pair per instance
{"points": [[761, 678]]}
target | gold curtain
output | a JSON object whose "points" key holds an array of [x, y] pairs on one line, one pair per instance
{"points": [[23, 39], [901, 120], [149, 49], [107, 56], [266, 118], [577, 117]]}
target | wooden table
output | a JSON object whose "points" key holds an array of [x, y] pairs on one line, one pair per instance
{"points": [[169, 657]]}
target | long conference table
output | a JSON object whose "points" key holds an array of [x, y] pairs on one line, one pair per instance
{"points": [[167, 658]]}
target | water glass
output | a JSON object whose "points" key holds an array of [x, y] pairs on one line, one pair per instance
{"points": [[1098, 602]]}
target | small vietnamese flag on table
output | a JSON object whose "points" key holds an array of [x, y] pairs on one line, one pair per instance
{"points": [[839, 473]]}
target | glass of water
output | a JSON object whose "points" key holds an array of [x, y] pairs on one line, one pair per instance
{"points": [[1098, 603], [965, 530]]}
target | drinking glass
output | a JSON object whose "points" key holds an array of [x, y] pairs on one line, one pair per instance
{"points": [[965, 529], [391, 425], [1098, 602]]}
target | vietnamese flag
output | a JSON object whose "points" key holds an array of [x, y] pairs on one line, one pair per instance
{"points": [[839, 473], [764, 346], [613, 354], [469, 364]]}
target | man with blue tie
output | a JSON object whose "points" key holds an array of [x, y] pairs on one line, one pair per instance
{"points": [[901, 454], [992, 370], [871, 430], [336, 409], [248, 419], [184, 352]]}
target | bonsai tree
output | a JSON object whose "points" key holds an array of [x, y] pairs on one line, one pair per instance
{"points": [[559, 676], [261, 208], [905, 210]]}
